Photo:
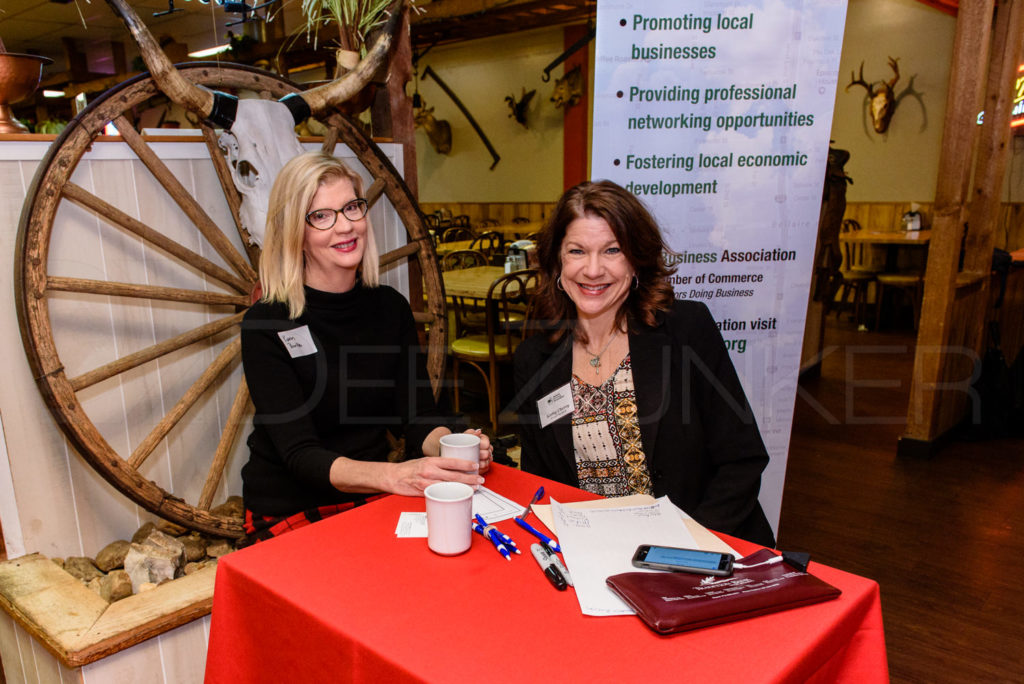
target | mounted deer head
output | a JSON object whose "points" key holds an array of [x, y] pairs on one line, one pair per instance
{"points": [[881, 96], [438, 131], [259, 135]]}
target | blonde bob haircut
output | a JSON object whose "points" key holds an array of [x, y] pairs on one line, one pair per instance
{"points": [[282, 263]]}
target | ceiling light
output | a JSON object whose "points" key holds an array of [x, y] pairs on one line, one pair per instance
{"points": [[53, 93], [211, 51]]}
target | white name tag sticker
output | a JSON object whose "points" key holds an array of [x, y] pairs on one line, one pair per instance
{"points": [[553, 406], [298, 342]]}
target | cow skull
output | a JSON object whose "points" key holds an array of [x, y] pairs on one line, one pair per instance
{"points": [[259, 135], [259, 143], [881, 96]]}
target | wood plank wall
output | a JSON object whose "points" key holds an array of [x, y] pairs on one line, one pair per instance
{"points": [[502, 212], [886, 216]]}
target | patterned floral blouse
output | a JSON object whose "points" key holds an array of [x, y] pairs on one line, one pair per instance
{"points": [[606, 436]]}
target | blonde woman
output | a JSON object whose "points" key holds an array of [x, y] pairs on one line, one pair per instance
{"points": [[333, 363]]}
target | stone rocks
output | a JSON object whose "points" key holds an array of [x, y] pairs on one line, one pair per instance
{"points": [[195, 547], [196, 567], [231, 508], [170, 529], [112, 587], [158, 552], [82, 567], [143, 532], [219, 548], [112, 555], [157, 559]]}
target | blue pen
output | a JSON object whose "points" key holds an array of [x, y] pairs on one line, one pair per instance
{"points": [[491, 533], [509, 541], [498, 545], [505, 539], [489, 537], [539, 535], [536, 497]]}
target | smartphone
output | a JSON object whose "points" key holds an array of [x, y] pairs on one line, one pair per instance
{"points": [[683, 560]]}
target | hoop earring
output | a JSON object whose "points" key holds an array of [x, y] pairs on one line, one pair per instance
{"points": [[636, 282], [558, 283]]}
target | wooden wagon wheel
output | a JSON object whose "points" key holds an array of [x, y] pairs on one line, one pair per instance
{"points": [[223, 264]]}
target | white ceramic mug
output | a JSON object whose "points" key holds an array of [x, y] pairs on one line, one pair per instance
{"points": [[449, 511], [461, 445]]}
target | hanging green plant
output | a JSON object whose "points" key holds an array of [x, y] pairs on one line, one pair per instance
{"points": [[354, 19]]}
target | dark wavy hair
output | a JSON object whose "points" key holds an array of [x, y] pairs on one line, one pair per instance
{"points": [[639, 239]]}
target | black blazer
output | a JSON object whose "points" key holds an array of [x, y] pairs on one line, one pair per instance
{"points": [[702, 444]]}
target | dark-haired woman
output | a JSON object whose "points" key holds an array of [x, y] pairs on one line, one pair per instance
{"points": [[629, 391]]}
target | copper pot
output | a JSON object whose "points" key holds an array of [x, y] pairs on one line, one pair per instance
{"points": [[19, 78]]}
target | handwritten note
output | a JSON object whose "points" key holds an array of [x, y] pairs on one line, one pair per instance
{"points": [[298, 341]]}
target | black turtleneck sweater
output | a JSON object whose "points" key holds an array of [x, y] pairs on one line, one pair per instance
{"points": [[357, 374]]}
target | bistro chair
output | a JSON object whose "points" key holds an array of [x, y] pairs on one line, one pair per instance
{"points": [[457, 234], [461, 221], [856, 274], [511, 292], [491, 243], [466, 315], [909, 283], [463, 258], [907, 280]]}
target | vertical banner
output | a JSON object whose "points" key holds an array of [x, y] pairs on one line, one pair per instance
{"points": [[717, 115]]}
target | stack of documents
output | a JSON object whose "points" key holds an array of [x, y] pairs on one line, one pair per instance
{"points": [[598, 539]]}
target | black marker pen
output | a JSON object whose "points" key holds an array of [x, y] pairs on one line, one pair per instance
{"points": [[547, 564]]}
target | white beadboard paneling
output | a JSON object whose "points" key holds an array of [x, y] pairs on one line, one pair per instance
{"points": [[36, 449], [176, 657], [27, 662], [105, 515], [14, 667], [14, 543], [184, 652]]}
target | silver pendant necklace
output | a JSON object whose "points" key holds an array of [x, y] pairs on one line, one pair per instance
{"points": [[595, 359]]}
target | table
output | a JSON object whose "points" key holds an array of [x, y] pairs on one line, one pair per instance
{"points": [[892, 240], [448, 247], [514, 231], [471, 282], [344, 600]]}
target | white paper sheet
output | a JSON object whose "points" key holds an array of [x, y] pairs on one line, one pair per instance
{"points": [[491, 506], [600, 542], [706, 540]]}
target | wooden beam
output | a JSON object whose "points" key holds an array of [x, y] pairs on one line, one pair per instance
{"points": [[446, 21], [441, 10], [970, 51], [993, 151]]}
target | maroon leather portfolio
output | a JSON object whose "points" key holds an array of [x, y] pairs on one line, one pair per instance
{"points": [[671, 602]]}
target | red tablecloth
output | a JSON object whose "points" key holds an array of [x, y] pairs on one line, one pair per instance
{"points": [[345, 600]]}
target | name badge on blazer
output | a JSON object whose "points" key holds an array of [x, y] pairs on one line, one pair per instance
{"points": [[553, 406], [298, 341]]}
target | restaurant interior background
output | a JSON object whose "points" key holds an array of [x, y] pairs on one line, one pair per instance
{"points": [[888, 170]]}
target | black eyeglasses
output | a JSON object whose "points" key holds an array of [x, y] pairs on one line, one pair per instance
{"points": [[324, 219]]}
